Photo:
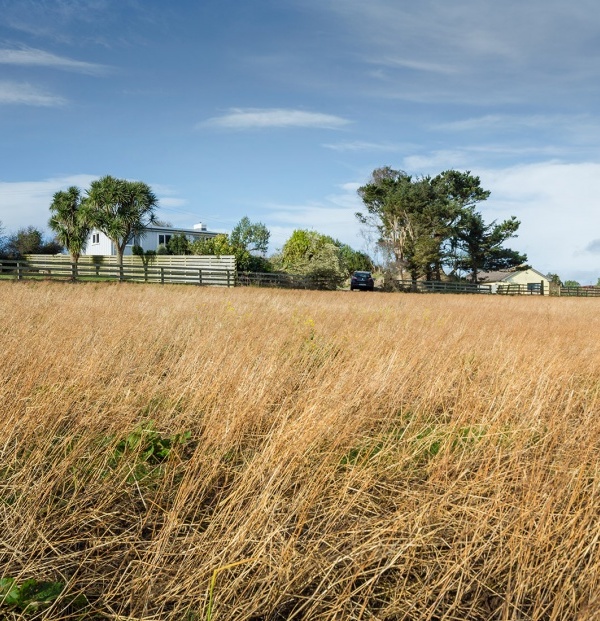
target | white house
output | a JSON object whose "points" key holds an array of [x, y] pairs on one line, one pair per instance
{"points": [[99, 244], [535, 281]]}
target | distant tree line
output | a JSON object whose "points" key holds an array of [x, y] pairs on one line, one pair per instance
{"points": [[556, 280], [27, 240]]}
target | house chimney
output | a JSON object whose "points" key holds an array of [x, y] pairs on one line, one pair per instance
{"points": [[200, 226]]}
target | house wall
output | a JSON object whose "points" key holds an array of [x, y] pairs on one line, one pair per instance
{"points": [[149, 241], [98, 244], [528, 276]]}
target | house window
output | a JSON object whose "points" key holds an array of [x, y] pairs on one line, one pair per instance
{"points": [[95, 238], [163, 239], [534, 287]]}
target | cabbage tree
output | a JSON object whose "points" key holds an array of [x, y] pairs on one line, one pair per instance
{"points": [[68, 221], [121, 209]]}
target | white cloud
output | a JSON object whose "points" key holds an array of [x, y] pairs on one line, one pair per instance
{"points": [[334, 216], [39, 58], [363, 146], [26, 94], [558, 205], [261, 118], [27, 203]]}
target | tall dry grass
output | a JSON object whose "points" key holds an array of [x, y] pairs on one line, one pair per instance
{"points": [[352, 456]]}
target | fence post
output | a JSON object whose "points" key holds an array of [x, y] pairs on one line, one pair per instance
{"points": [[200, 276], [541, 287], [162, 275], [73, 271], [19, 275]]}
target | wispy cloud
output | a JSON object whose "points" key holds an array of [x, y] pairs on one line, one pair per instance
{"points": [[494, 122], [418, 65], [171, 201], [435, 161], [263, 118], [358, 145], [474, 52], [26, 94], [39, 58]]}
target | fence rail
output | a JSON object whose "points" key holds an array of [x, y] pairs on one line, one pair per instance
{"points": [[532, 288], [581, 292], [437, 286], [161, 260], [283, 281], [223, 273], [67, 270]]}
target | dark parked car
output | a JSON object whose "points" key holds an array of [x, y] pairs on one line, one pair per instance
{"points": [[362, 280]]}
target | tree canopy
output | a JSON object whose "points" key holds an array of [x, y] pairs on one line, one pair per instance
{"points": [[179, 244], [30, 240], [218, 245], [312, 254], [121, 209], [248, 242], [68, 221], [251, 236], [481, 247], [427, 225], [319, 256]]}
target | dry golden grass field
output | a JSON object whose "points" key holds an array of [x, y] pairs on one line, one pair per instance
{"points": [[242, 454]]}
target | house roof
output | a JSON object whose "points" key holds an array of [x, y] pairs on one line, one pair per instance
{"points": [[493, 276], [170, 230], [500, 276]]}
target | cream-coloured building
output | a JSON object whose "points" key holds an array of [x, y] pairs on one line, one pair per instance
{"points": [[531, 280]]}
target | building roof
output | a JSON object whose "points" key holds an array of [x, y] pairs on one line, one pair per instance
{"points": [[177, 231], [500, 276], [493, 276]]}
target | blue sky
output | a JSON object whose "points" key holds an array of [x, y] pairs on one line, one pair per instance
{"points": [[280, 109]]}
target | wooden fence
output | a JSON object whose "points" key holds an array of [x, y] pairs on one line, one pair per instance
{"points": [[220, 271], [284, 281], [161, 260], [203, 273], [580, 292], [437, 286], [66, 270], [532, 288]]}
